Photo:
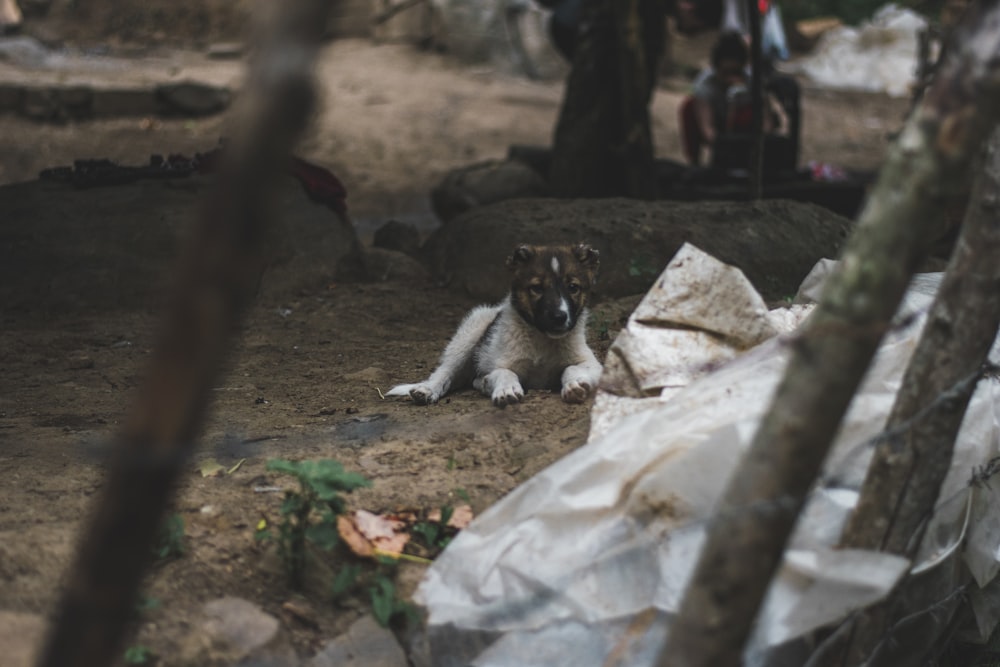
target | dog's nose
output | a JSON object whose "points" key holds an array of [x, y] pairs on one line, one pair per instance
{"points": [[560, 317]]}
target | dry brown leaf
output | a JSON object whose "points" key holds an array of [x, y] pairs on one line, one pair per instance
{"points": [[392, 545], [376, 526], [211, 468], [461, 516], [353, 538]]}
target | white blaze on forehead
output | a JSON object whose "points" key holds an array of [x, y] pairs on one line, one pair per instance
{"points": [[555, 265]]}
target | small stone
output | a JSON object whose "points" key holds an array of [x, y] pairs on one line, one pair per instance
{"points": [[381, 264], [365, 644], [398, 236], [301, 611], [240, 624], [192, 98]]}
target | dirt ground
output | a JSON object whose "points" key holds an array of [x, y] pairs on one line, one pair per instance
{"points": [[304, 376]]}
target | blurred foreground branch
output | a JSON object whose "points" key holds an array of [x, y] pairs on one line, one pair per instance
{"points": [[906, 473], [218, 277], [929, 161]]}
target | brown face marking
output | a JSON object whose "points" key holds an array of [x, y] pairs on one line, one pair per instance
{"points": [[552, 284]]}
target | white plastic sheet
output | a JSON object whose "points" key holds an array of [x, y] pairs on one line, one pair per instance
{"points": [[577, 559], [879, 56]]}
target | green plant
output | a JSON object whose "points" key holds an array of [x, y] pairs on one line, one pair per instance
{"points": [[382, 593], [138, 655], [434, 533], [310, 513], [642, 267], [146, 603], [347, 580], [170, 540], [386, 603]]}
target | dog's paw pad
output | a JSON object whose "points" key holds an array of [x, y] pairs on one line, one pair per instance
{"points": [[423, 395], [576, 391]]}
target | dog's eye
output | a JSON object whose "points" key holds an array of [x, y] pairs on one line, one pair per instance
{"points": [[535, 289], [573, 288]]}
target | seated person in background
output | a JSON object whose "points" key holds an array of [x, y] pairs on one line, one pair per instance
{"points": [[720, 102]]}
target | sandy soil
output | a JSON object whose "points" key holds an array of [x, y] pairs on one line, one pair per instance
{"points": [[304, 375]]}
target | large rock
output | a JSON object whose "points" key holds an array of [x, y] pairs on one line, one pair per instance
{"points": [[125, 239], [485, 183], [230, 631], [774, 242], [365, 644]]}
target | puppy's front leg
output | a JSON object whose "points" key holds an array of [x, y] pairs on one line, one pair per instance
{"points": [[502, 386], [580, 380]]}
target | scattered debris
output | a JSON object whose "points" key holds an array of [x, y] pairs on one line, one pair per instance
{"points": [[211, 468]]}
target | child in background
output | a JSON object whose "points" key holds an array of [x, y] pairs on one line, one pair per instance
{"points": [[720, 102]]}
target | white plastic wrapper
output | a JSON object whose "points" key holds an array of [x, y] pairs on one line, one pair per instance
{"points": [[878, 56], [587, 560]]}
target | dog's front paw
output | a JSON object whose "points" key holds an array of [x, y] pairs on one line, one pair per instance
{"points": [[424, 394], [507, 395], [576, 391]]}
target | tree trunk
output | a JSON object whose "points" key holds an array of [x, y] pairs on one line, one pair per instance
{"points": [[603, 145], [218, 277], [747, 537], [911, 461]]}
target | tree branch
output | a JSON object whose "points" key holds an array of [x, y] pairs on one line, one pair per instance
{"points": [[905, 476], [218, 278]]}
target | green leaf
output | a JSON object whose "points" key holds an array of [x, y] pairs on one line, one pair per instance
{"points": [[446, 512], [427, 531], [383, 595], [170, 538], [138, 655], [463, 494], [147, 603], [345, 580], [324, 535], [292, 504]]}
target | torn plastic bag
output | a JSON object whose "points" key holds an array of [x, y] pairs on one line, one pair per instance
{"points": [[576, 561]]}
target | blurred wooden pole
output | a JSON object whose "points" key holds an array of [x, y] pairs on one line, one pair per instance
{"points": [[218, 277], [756, 102], [929, 161]]}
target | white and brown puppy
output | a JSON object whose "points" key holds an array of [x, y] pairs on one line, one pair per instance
{"points": [[533, 339]]}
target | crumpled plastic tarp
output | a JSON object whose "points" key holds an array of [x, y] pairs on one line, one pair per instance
{"points": [[584, 563], [878, 56]]}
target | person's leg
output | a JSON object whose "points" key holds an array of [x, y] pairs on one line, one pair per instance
{"points": [[789, 94]]}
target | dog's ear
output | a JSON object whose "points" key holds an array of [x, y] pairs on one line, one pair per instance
{"points": [[522, 253], [588, 256]]}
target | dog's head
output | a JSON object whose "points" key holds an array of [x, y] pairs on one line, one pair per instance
{"points": [[552, 284]]}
